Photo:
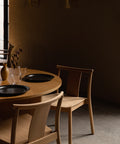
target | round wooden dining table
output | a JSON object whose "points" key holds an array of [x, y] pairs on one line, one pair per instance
{"points": [[36, 90]]}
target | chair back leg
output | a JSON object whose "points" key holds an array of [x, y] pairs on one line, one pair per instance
{"points": [[91, 117], [70, 127]]}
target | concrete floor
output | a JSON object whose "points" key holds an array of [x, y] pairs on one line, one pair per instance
{"points": [[107, 125]]}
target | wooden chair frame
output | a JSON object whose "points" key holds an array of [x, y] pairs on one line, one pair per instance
{"points": [[36, 135], [75, 92], [4, 53]]}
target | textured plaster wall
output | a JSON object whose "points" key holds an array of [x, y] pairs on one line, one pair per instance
{"points": [[86, 35]]}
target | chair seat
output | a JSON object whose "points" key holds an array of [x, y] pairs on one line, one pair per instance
{"points": [[22, 129], [68, 101]]}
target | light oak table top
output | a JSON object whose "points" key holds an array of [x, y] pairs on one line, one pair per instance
{"points": [[36, 89]]}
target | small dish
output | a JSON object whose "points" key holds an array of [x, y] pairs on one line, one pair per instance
{"points": [[12, 90], [37, 78]]}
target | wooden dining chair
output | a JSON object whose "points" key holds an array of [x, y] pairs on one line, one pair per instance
{"points": [[3, 56], [72, 84], [31, 129]]}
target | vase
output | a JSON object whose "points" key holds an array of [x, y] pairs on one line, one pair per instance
{"points": [[4, 72]]}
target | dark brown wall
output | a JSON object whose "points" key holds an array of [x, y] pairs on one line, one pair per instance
{"points": [[86, 35]]}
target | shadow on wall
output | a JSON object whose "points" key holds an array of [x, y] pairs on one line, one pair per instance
{"points": [[86, 35]]}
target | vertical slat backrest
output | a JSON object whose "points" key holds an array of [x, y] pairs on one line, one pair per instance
{"points": [[73, 83], [38, 122], [39, 117], [75, 79]]}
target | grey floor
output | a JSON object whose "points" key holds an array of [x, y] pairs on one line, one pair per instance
{"points": [[107, 125]]}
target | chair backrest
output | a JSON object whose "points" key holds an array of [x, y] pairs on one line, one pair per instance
{"points": [[39, 117], [4, 52], [74, 79], [3, 56], [6, 55]]}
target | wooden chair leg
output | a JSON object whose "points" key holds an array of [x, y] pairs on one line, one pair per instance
{"points": [[70, 127], [91, 117], [58, 140]]}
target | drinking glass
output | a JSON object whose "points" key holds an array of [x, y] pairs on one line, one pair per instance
{"points": [[17, 74], [23, 72], [11, 78], [14, 75]]}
